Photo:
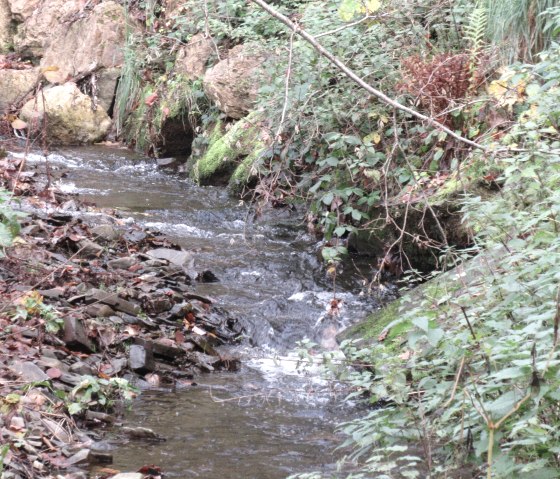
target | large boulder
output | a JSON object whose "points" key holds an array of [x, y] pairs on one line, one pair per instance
{"points": [[192, 58], [6, 30], [23, 9], [91, 45], [94, 40], [233, 83], [15, 84], [41, 19], [70, 118]]}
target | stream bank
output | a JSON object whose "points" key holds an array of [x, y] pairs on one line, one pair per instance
{"points": [[266, 275]]}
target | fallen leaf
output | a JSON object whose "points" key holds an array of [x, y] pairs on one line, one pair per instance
{"points": [[151, 99], [383, 335], [406, 355], [18, 124]]}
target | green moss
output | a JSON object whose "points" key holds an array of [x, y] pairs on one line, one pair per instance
{"points": [[245, 171], [225, 149]]}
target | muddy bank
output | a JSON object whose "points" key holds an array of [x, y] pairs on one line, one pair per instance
{"points": [[92, 308]]}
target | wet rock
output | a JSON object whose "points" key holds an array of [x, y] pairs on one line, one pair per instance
{"points": [[101, 453], [167, 350], [202, 360], [128, 475], [179, 311], [167, 162], [141, 433], [122, 263], [79, 458], [97, 416], [75, 335], [28, 371], [207, 276], [184, 259], [141, 358]]}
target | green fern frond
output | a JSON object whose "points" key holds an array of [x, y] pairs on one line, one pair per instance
{"points": [[475, 30]]}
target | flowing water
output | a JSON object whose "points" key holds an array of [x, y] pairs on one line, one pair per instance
{"points": [[268, 420]]}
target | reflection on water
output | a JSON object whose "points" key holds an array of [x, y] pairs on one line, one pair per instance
{"points": [[229, 427]]}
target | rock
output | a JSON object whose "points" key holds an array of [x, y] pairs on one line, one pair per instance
{"points": [[105, 233], [233, 83], [89, 249], [100, 453], [70, 117], [202, 360], [192, 58], [23, 9], [99, 311], [52, 293], [97, 295], [28, 371], [141, 433], [107, 79], [6, 29], [181, 258], [99, 416], [15, 84], [141, 358], [165, 349], [128, 475], [122, 263], [41, 20], [71, 379], [166, 162], [56, 430], [75, 335], [117, 365], [79, 367], [78, 458], [49, 362], [93, 40]]}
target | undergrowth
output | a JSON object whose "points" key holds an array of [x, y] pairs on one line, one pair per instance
{"points": [[473, 390]]}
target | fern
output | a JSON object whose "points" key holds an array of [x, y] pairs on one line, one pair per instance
{"points": [[475, 31]]}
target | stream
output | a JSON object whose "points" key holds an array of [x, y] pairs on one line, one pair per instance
{"points": [[269, 419]]}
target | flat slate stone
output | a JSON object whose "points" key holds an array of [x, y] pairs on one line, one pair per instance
{"points": [[184, 259], [29, 371]]}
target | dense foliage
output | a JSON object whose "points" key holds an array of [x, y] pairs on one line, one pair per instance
{"points": [[464, 382]]}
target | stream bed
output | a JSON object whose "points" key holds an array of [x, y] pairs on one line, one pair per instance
{"points": [[269, 419]]}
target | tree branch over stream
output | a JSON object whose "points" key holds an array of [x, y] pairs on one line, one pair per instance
{"points": [[354, 77]]}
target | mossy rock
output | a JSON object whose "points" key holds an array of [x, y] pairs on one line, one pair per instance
{"points": [[231, 154]]}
